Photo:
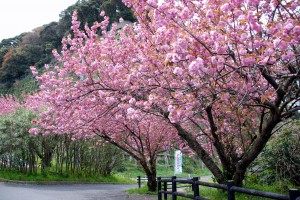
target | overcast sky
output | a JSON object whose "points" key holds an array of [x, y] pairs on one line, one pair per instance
{"points": [[18, 16]]}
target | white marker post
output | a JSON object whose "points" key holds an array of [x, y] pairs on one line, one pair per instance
{"points": [[178, 162]]}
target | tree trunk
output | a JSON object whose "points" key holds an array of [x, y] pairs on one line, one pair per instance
{"points": [[254, 150], [239, 176], [151, 174], [203, 155], [46, 161], [152, 183], [233, 168], [31, 157]]}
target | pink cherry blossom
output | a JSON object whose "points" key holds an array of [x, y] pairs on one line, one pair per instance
{"points": [[220, 74]]}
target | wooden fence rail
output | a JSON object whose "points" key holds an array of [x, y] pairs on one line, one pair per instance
{"points": [[141, 180], [163, 192]]}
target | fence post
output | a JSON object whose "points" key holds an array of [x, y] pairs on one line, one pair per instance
{"points": [[192, 186], [165, 189], [159, 188], [139, 181], [174, 197], [294, 194], [196, 187], [230, 193]]}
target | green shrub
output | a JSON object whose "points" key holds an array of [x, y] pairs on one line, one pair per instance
{"points": [[280, 160]]}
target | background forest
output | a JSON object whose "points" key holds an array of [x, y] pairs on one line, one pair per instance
{"points": [[35, 48]]}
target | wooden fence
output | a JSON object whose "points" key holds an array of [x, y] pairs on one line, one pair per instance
{"points": [[141, 180], [163, 192]]}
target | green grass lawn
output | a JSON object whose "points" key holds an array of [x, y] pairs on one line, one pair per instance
{"points": [[134, 171], [142, 190], [13, 175], [128, 175]]}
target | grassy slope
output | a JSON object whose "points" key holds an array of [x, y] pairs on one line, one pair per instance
{"points": [[12, 175], [133, 171]]}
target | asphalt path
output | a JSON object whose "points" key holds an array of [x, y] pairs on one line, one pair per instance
{"points": [[11, 191]]}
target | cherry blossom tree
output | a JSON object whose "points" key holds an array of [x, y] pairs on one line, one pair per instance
{"points": [[70, 110], [230, 68], [8, 104], [142, 135], [223, 74], [17, 114]]}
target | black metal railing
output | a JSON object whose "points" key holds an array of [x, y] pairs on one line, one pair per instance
{"points": [[164, 191], [141, 180]]}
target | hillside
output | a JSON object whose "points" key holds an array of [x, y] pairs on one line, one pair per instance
{"points": [[35, 48]]}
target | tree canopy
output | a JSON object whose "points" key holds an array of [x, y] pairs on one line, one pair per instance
{"points": [[223, 74]]}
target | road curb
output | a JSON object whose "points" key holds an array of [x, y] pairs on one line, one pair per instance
{"points": [[57, 182]]}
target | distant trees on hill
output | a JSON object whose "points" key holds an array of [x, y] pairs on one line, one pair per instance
{"points": [[35, 48]]}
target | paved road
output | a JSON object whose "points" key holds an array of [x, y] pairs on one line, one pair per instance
{"points": [[10, 191]]}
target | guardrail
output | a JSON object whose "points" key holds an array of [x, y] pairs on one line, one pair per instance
{"points": [[163, 192], [141, 180]]}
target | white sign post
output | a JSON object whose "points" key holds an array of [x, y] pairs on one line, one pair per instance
{"points": [[178, 162]]}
